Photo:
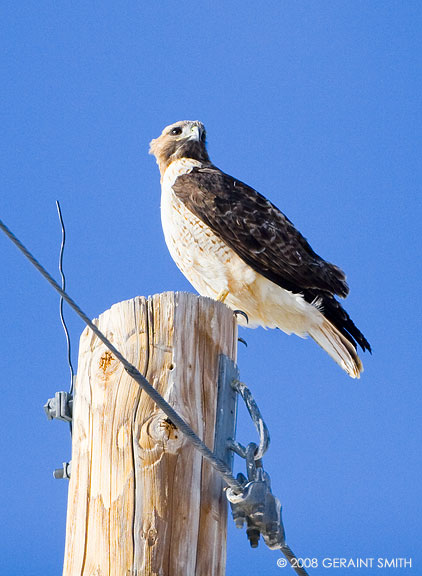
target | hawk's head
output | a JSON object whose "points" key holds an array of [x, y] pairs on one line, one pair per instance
{"points": [[184, 139]]}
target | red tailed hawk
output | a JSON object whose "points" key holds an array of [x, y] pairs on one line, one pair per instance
{"points": [[234, 245]]}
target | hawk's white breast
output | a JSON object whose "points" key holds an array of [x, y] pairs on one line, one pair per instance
{"points": [[201, 255]]}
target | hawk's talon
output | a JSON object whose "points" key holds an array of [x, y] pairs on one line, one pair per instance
{"points": [[237, 312], [243, 341]]}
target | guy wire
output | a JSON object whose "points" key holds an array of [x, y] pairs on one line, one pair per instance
{"points": [[217, 464]]}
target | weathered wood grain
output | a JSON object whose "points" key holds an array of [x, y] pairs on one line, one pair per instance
{"points": [[141, 500]]}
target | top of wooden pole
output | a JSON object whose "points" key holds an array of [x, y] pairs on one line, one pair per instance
{"points": [[141, 500]]}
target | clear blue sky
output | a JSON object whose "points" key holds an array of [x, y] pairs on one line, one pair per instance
{"points": [[317, 105]]}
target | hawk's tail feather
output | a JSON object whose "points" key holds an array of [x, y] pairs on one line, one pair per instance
{"points": [[338, 347]]}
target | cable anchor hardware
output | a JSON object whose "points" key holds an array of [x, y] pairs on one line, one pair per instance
{"points": [[256, 505]]}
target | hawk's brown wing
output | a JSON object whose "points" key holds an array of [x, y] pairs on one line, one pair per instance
{"points": [[258, 232]]}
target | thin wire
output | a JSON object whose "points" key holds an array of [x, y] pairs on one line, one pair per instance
{"points": [[218, 464], [69, 350]]}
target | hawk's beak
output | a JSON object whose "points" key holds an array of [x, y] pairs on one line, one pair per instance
{"points": [[195, 134]]}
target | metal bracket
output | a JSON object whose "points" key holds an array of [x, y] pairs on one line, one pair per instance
{"points": [[226, 410], [60, 407]]}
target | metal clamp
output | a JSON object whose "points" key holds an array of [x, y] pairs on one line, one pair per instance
{"points": [[60, 407], [256, 505]]}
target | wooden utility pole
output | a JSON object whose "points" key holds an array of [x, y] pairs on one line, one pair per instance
{"points": [[142, 502]]}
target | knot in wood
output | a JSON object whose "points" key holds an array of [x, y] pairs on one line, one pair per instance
{"points": [[159, 435], [106, 360]]}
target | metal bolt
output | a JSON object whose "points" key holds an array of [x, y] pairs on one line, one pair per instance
{"points": [[253, 536], [63, 472]]}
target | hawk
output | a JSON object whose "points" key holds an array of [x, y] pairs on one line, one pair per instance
{"points": [[234, 245]]}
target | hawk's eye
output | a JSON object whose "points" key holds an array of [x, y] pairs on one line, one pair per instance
{"points": [[176, 131]]}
